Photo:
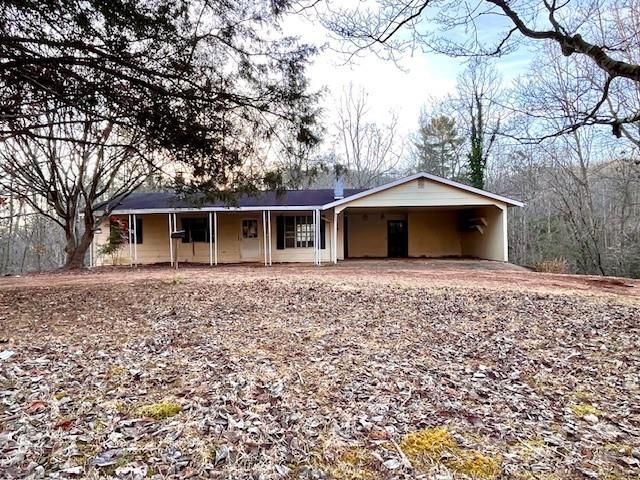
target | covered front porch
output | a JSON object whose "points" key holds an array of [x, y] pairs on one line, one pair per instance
{"points": [[218, 237]]}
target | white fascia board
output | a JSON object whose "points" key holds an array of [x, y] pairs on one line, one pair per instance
{"points": [[142, 211], [428, 176]]}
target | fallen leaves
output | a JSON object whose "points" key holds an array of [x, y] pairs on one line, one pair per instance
{"points": [[284, 376], [64, 424], [36, 406]]}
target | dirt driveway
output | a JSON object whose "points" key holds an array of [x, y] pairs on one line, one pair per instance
{"points": [[411, 272]]}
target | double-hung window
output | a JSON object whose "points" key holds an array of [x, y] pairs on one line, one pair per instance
{"points": [[298, 231]]}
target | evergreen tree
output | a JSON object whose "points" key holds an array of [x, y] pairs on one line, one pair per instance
{"points": [[437, 145], [477, 161]]}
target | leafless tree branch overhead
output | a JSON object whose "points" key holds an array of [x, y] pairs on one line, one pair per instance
{"points": [[602, 33]]}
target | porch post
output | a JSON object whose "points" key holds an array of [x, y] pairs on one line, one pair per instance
{"points": [[269, 232], [334, 241], [317, 242], [315, 251], [130, 245], [135, 239], [319, 238], [264, 236], [215, 238], [210, 241], [170, 241], [175, 227]]}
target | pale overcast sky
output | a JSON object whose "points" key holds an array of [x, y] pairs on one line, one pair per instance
{"points": [[407, 90]]}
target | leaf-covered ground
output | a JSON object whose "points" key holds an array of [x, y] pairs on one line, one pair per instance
{"points": [[352, 373]]}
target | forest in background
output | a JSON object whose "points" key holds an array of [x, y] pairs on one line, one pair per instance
{"points": [[563, 138]]}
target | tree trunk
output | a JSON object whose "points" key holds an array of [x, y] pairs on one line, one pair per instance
{"points": [[77, 251]]}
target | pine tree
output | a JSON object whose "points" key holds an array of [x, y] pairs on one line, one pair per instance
{"points": [[437, 145]]}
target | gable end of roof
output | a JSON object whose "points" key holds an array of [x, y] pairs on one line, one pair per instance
{"points": [[461, 186]]}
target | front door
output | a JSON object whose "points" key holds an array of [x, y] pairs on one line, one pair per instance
{"points": [[249, 242], [397, 239]]}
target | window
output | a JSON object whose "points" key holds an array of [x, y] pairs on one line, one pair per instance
{"points": [[249, 228], [195, 230], [138, 230], [298, 232]]}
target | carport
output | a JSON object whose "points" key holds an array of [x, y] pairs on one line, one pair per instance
{"points": [[423, 217]]}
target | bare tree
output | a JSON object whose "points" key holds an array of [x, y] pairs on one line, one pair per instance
{"points": [[64, 170], [579, 29], [369, 151]]}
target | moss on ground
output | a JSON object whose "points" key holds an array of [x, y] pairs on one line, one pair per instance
{"points": [[159, 411], [476, 464], [582, 409], [347, 463], [437, 445], [430, 442]]}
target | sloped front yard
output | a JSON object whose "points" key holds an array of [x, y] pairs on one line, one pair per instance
{"points": [[240, 374]]}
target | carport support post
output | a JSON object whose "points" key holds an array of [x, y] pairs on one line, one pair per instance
{"points": [[215, 238], [210, 241], [505, 235], [170, 242]]}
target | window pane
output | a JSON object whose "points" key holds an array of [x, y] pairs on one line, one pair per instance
{"points": [[304, 232], [249, 228], [138, 230], [195, 230], [289, 242]]}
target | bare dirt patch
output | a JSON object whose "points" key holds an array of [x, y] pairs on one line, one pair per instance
{"points": [[344, 372]]}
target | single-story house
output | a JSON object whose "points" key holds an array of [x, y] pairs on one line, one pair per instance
{"points": [[418, 216]]}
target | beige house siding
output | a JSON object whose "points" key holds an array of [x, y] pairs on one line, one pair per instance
{"points": [[340, 234], [492, 244], [434, 233], [421, 193], [431, 233], [100, 239], [367, 232]]}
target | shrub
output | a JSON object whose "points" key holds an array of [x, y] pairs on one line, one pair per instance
{"points": [[118, 233], [554, 265]]}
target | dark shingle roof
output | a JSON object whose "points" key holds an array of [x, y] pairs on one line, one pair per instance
{"points": [[168, 200]]}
